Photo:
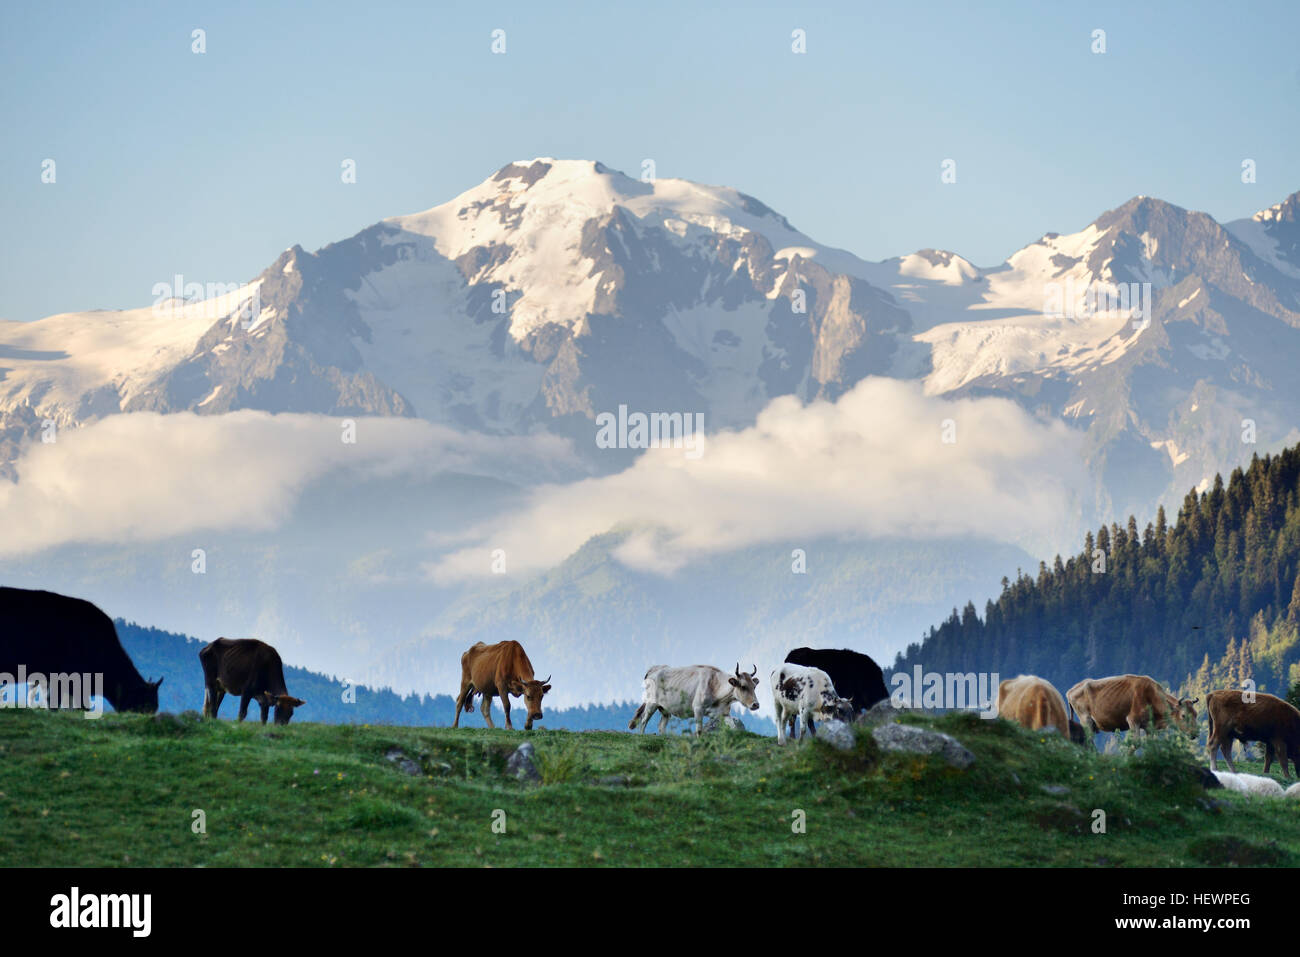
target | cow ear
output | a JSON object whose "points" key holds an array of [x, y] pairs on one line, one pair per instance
{"points": [[734, 683], [545, 688], [297, 702]]}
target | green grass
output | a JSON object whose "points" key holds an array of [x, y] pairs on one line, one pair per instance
{"points": [[123, 790]]}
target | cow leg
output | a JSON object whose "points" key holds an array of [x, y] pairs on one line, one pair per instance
{"points": [[265, 708], [663, 721], [464, 700], [486, 709], [1226, 748], [650, 713], [699, 718], [243, 706], [505, 706]]}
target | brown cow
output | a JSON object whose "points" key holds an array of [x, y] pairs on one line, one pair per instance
{"points": [[1130, 703], [1034, 703], [251, 669], [501, 669], [1268, 719]]}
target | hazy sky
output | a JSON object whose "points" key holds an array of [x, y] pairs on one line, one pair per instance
{"points": [[209, 165]]}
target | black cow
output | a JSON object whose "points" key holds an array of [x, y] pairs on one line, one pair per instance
{"points": [[249, 668], [51, 634], [854, 675]]}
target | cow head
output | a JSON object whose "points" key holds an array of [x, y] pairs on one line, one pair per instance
{"points": [[840, 709], [1183, 711], [532, 692], [141, 698], [284, 705], [744, 685]]}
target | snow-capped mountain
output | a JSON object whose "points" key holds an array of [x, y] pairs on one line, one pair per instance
{"points": [[559, 289]]}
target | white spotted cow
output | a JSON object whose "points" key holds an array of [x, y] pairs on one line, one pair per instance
{"points": [[802, 692], [693, 692]]}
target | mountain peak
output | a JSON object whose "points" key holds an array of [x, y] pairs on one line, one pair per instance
{"points": [[1287, 211]]}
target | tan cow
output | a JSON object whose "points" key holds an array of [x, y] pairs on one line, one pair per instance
{"points": [[1267, 718], [1032, 701], [501, 669], [1130, 703]]}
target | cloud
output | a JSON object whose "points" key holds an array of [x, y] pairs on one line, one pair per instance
{"points": [[144, 476], [872, 464]]}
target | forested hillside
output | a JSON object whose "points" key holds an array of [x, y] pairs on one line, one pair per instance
{"points": [[1201, 602]]}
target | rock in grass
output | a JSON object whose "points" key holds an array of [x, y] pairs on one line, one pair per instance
{"points": [[521, 764], [726, 721], [837, 734], [404, 764], [1208, 780], [882, 712], [909, 739]]}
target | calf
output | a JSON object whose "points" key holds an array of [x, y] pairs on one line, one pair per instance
{"points": [[801, 692], [693, 692], [251, 669], [1268, 719], [855, 675], [501, 669]]}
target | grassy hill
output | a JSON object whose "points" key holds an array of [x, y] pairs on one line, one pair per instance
{"points": [[125, 789]]}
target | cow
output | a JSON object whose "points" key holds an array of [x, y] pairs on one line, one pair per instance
{"points": [[251, 669], [502, 669], [854, 675], [804, 693], [1268, 719], [1033, 702], [1130, 703], [43, 633], [693, 692]]}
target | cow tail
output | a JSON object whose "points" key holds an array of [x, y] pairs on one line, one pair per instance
{"points": [[636, 717]]}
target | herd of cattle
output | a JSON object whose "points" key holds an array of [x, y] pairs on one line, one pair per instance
{"points": [[49, 634]]}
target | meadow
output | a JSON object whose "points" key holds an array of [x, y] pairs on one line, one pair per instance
{"points": [[176, 791]]}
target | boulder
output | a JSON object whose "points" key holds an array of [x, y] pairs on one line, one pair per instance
{"points": [[404, 763], [521, 764], [837, 734], [726, 721], [882, 712], [909, 739]]}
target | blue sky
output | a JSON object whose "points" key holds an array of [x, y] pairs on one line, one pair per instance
{"points": [[209, 165]]}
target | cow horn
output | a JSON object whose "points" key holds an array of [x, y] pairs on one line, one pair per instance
{"points": [[546, 680], [737, 669], [754, 673]]}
